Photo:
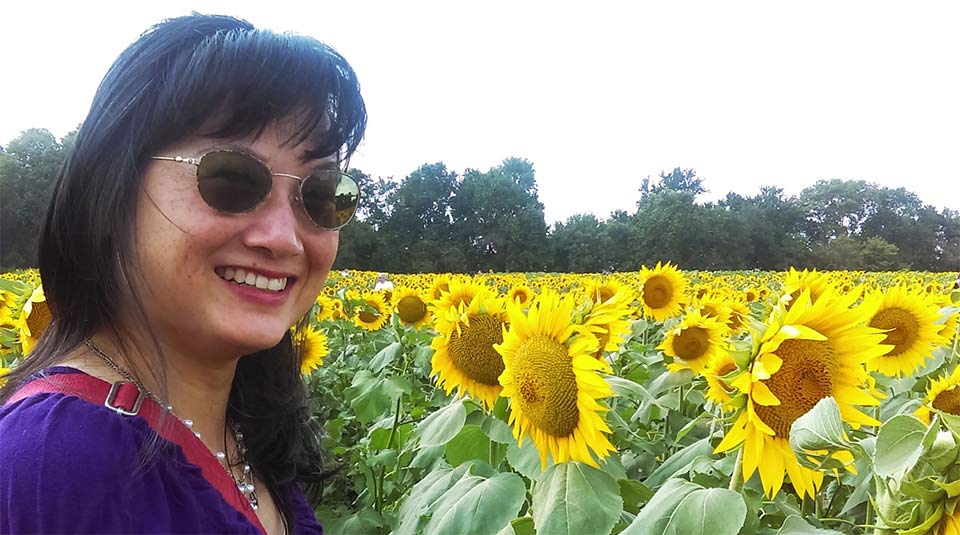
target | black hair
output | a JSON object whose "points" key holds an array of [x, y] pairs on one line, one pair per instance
{"points": [[215, 76]]}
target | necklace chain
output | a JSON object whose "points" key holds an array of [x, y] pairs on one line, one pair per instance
{"points": [[245, 481]]}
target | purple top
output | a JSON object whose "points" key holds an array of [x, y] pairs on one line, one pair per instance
{"points": [[67, 465]]}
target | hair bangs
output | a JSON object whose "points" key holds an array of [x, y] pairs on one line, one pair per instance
{"points": [[238, 82]]}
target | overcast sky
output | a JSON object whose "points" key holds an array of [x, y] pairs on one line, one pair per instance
{"points": [[598, 95]]}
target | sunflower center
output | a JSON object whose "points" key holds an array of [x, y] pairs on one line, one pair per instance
{"points": [[604, 294], [472, 350], [904, 325], [805, 378], [367, 315], [411, 309], [546, 385], [723, 369], [657, 292], [710, 310], [38, 319], [692, 343], [948, 401]]}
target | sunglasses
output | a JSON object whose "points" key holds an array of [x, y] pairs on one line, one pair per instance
{"points": [[234, 182]]}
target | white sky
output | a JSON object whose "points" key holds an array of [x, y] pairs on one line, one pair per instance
{"points": [[598, 95]]}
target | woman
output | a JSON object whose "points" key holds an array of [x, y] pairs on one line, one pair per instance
{"points": [[193, 224]]}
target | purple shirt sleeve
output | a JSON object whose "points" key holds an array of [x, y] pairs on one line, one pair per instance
{"points": [[69, 466]]}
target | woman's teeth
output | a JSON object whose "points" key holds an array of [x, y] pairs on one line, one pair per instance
{"points": [[241, 276]]}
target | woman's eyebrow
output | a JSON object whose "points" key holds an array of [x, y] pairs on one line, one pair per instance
{"points": [[226, 145], [322, 164]]}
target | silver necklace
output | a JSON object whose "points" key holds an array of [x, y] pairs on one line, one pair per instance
{"points": [[245, 482]]}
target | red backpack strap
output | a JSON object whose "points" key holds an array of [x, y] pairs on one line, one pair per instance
{"points": [[127, 400]]}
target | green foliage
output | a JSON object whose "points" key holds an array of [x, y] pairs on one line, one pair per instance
{"points": [[29, 166], [436, 220]]}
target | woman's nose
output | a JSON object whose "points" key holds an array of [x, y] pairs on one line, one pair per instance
{"points": [[275, 224]]}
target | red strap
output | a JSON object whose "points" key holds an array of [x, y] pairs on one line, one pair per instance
{"points": [[124, 401]]}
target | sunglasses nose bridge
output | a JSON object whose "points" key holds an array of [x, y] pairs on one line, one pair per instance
{"points": [[276, 224]]}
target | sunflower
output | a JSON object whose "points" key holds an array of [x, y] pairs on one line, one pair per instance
{"points": [[910, 322], [459, 291], [7, 305], [714, 305], [661, 291], [609, 322], [313, 347], [694, 342], [809, 351], [552, 381], [325, 307], [372, 314], [609, 289], [520, 292], [464, 356], [739, 315], [796, 282], [3, 375], [33, 319], [411, 306], [950, 322], [718, 373], [441, 283], [336, 310], [943, 395]]}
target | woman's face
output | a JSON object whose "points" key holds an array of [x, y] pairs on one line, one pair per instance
{"points": [[187, 250]]}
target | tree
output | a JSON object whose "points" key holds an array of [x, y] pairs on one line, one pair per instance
{"points": [[772, 224], [417, 234], [498, 217], [29, 166], [580, 245]]}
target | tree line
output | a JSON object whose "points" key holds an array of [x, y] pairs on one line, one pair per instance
{"points": [[438, 220]]}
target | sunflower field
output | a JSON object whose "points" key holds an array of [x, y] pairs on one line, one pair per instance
{"points": [[654, 402]]}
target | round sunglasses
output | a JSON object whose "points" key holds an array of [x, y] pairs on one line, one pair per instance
{"points": [[234, 182]]}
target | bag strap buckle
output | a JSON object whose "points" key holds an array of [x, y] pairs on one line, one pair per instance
{"points": [[111, 401]]}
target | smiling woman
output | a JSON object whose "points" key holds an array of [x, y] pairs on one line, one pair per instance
{"points": [[192, 226]]}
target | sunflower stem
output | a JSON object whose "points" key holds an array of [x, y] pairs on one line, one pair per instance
{"points": [[396, 421], [736, 482]]}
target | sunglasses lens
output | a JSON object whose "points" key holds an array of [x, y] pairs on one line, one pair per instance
{"points": [[232, 182], [330, 198]]}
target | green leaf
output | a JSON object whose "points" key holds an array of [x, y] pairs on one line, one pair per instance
{"points": [[670, 380], [626, 388], [525, 459], [497, 430], [365, 522], [862, 483], [371, 396], [708, 511], [523, 526], [821, 428], [573, 498], [796, 525], [441, 426], [952, 421], [899, 445], [634, 494], [385, 357], [418, 507], [679, 462], [654, 517], [478, 505], [469, 444]]}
